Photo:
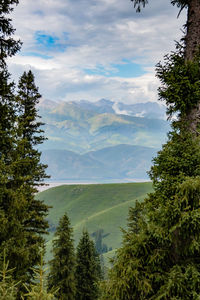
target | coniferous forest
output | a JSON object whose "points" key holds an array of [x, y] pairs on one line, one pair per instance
{"points": [[160, 253]]}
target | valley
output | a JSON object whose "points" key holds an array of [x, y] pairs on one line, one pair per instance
{"points": [[97, 207]]}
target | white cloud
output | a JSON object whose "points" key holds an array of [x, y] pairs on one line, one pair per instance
{"points": [[93, 33]]}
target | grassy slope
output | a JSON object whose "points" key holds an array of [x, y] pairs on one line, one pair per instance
{"points": [[94, 206]]}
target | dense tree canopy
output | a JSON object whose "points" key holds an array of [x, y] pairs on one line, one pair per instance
{"points": [[160, 256], [62, 266], [88, 269], [22, 217]]}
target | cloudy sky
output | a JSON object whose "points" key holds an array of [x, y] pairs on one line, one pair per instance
{"points": [[92, 49]]}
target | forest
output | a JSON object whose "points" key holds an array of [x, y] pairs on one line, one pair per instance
{"points": [[160, 253]]}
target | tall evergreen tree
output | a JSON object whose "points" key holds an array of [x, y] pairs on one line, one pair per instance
{"points": [[192, 43], [8, 47], [160, 257], [21, 216], [29, 172], [62, 266], [88, 269], [27, 213], [29, 133]]}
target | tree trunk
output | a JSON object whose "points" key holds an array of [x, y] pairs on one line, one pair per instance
{"points": [[193, 29], [192, 40]]}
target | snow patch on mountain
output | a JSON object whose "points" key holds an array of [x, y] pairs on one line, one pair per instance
{"points": [[118, 111]]}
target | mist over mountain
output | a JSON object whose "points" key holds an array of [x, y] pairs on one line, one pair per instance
{"points": [[122, 162], [101, 140]]}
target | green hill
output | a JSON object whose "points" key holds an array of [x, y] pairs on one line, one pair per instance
{"points": [[95, 206]]}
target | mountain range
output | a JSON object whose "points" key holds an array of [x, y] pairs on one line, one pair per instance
{"points": [[104, 140], [123, 162]]}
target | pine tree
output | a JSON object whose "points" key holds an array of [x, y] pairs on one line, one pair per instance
{"points": [[26, 214], [8, 288], [29, 134], [62, 266], [29, 172], [160, 256], [88, 269], [38, 289], [21, 216], [8, 47]]}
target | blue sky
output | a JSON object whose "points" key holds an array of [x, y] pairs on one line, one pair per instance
{"points": [[92, 49]]}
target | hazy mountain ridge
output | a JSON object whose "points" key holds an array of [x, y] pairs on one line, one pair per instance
{"points": [[150, 110], [83, 126], [90, 141], [118, 162]]}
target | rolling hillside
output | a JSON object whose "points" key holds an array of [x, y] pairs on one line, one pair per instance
{"points": [[95, 207]]}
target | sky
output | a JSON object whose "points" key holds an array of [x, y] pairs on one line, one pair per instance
{"points": [[93, 49]]}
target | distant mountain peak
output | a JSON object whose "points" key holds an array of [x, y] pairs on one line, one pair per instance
{"points": [[48, 104], [150, 110], [104, 102]]}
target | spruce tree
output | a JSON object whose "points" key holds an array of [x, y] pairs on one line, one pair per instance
{"points": [[38, 289], [160, 255], [21, 216], [8, 47], [29, 134], [27, 215], [8, 288], [29, 172], [88, 269], [62, 266]]}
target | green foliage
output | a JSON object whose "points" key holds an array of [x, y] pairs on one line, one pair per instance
{"points": [[160, 256], [88, 269], [9, 46], [29, 133], [22, 217], [25, 224], [8, 289], [180, 82], [38, 290], [62, 266]]}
